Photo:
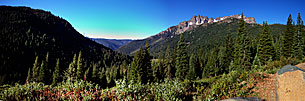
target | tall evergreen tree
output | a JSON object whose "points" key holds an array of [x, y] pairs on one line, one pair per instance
{"points": [[242, 52], [70, 74], [80, 71], [158, 69], [237, 54], [124, 69], [181, 59], [169, 71], [228, 52], [174, 55], [86, 74], [193, 63], [211, 66], [94, 73], [266, 45], [299, 39], [146, 68], [56, 73], [278, 47], [102, 77], [35, 69], [48, 72], [136, 66], [288, 38], [41, 77], [29, 76], [221, 62]]}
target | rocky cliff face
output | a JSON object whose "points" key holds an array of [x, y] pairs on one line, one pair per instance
{"points": [[195, 21]]}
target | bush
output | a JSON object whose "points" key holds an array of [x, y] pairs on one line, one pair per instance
{"points": [[31, 91], [83, 90]]}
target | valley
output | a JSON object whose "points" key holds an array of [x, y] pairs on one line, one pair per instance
{"points": [[44, 57], [112, 43]]}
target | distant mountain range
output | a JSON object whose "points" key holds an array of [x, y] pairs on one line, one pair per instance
{"points": [[198, 32], [112, 43]]}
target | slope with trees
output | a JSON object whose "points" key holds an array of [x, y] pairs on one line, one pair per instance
{"points": [[29, 33]]}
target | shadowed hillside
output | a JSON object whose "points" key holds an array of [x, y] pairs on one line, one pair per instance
{"points": [[27, 33]]}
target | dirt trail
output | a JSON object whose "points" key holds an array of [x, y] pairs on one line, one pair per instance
{"points": [[266, 88]]}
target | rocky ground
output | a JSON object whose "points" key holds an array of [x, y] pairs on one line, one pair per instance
{"points": [[266, 87]]}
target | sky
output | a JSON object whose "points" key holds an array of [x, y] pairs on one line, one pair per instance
{"points": [[138, 19]]}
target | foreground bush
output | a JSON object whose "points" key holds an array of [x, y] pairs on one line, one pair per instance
{"points": [[82, 90]]}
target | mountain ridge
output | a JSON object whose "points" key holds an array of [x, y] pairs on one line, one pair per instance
{"points": [[195, 21], [182, 27], [27, 33]]}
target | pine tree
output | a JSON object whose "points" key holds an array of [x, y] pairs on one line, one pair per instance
{"points": [[94, 73], [70, 72], [288, 38], [202, 61], [246, 50], [136, 66], [108, 76], [169, 71], [181, 59], [86, 74], [41, 77], [174, 55], [221, 62], [237, 54], [48, 73], [80, 71], [191, 75], [56, 73], [256, 62], [278, 47], [242, 52], [29, 76], [102, 77], [158, 69], [228, 57], [299, 39], [141, 71], [266, 45], [123, 70], [146, 68], [211, 67], [35, 69]]}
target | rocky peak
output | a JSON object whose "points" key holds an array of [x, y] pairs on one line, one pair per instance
{"points": [[195, 21], [198, 20]]}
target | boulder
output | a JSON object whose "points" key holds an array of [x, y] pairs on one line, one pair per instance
{"points": [[290, 84]]}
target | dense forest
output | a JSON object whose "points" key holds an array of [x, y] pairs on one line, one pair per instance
{"points": [[56, 62], [31, 35], [205, 36]]}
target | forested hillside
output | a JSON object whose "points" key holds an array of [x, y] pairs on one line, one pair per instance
{"points": [[205, 36], [29, 33]]}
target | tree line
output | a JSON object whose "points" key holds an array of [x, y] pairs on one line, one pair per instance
{"points": [[239, 52]]}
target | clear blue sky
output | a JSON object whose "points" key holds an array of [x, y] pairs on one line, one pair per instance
{"points": [[137, 19]]}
